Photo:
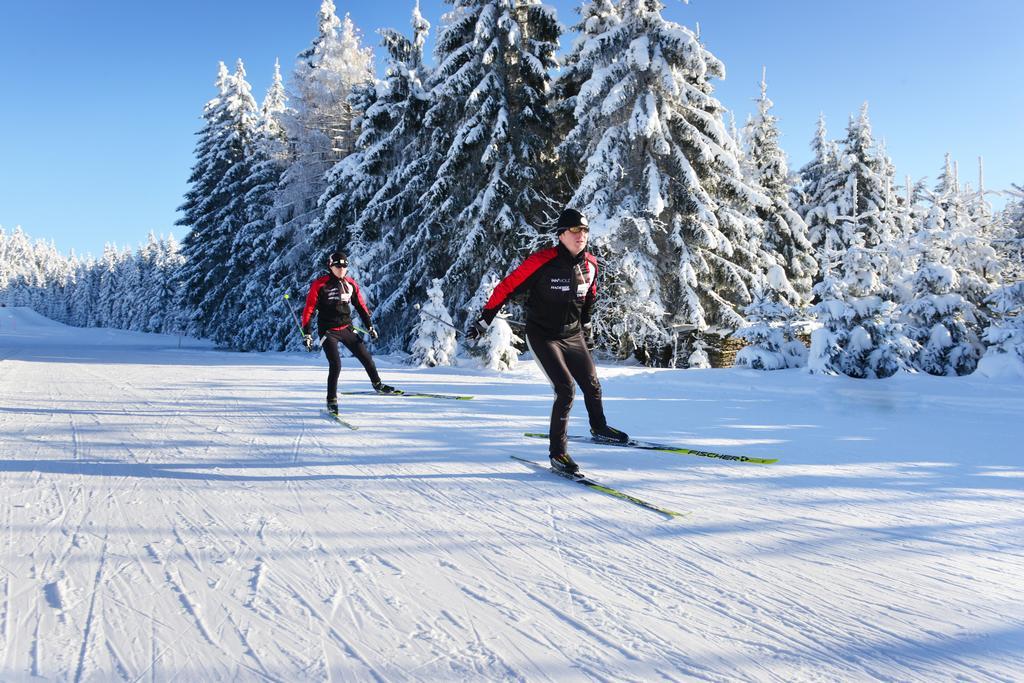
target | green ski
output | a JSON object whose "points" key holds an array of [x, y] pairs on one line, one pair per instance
{"points": [[334, 418], [650, 446], [408, 394], [591, 484]]}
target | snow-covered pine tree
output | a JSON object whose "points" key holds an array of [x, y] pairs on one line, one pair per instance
{"points": [[373, 193], [106, 290], [868, 179], [946, 182], [972, 252], [909, 215], [1014, 211], [215, 208], [597, 17], [200, 199], [148, 258], [1005, 335], [785, 233], [37, 285], [877, 345], [830, 339], [938, 318], [156, 300], [83, 295], [1010, 244], [319, 129], [22, 268], [171, 318], [850, 203], [768, 330], [434, 336], [860, 336], [128, 306], [262, 325], [980, 208], [391, 114], [54, 279], [63, 284], [670, 213], [491, 136], [823, 201], [5, 267]]}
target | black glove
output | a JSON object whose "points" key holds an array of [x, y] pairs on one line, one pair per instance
{"points": [[373, 333], [308, 341], [477, 330]]}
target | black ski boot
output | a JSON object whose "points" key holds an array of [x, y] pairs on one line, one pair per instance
{"points": [[564, 463], [609, 435], [332, 406], [382, 388]]}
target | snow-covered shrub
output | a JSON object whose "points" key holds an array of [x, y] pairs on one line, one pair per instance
{"points": [[859, 335], [941, 321], [434, 336], [771, 342], [496, 348], [1005, 336], [699, 358]]}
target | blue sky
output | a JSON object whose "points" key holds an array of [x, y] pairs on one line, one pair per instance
{"points": [[101, 100]]}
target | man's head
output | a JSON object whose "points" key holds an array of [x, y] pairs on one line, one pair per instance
{"points": [[573, 230], [337, 262]]}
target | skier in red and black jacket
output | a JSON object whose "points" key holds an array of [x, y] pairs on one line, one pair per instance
{"points": [[333, 296], [561, 285]]}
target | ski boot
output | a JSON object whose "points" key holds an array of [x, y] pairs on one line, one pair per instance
{"points": [[332, 406], [608, 434], [382, 388], [565, 464]]}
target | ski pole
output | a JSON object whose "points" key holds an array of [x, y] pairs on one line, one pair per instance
{"points": [[294, 317], [299, 324], [434, 317], [457, 330]]}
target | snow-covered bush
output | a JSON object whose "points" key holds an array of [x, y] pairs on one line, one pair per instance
{"points": [[859, 335], [496, 348], [948, 345], [434, 337], [1005, 336], [771, 342]]}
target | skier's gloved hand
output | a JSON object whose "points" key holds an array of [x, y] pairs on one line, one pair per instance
{"points": [[588, 334], [373, 333], [308, 341], [477, 330]]}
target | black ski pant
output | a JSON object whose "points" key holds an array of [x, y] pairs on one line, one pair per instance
{"points": [[565, 360], [354, 343]]}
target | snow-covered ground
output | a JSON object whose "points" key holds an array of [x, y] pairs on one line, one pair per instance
{"points": [[186, 514]]}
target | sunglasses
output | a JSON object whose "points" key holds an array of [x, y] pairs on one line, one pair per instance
{"points": [[339, 264], [578, 229]]}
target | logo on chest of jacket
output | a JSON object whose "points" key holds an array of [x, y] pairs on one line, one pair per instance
{"points": [[560, 284]]}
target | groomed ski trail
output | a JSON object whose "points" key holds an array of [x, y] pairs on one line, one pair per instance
{"points": [[187, 514]]}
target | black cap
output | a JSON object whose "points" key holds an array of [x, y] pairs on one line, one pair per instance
{"points": [[570, 218], [337, 257]]}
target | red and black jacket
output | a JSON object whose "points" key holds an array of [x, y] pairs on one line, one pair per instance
{"points": [[333, 300], [561, 289]]}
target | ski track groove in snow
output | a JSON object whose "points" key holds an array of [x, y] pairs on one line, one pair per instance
{"points": [[87, 629]]}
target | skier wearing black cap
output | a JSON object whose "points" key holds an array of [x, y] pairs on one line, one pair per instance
{"points": [[333, 296], [561, 285]]}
